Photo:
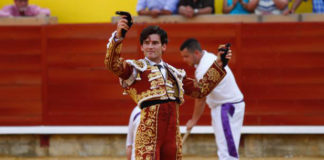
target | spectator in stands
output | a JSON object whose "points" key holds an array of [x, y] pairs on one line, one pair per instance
{"points": [[134, 121], [4, 14], [156, 8], [191, 8], [234, 7], [318, 6], [21, 8], [265, 7]]}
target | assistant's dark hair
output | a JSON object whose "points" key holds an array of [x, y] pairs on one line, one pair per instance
{"points": [[191, 45], [154, 30]]}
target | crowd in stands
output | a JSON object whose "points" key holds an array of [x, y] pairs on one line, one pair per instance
{"points": [[318, 6], [191, 8], [186, 8]]}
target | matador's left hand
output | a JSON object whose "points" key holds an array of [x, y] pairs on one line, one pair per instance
{"points": [[228, 56]]}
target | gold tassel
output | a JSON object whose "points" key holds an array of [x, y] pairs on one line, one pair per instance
{"points": [[138, 77], [124, 92]]}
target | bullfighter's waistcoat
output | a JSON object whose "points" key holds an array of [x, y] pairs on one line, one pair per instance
{"points": [[147, 83]]}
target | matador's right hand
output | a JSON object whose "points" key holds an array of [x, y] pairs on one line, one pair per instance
{"points": [[122, 24]]}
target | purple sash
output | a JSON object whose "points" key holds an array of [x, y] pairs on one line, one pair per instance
{"points": [[228, 108]]}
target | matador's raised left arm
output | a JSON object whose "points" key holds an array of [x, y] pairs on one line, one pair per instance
{"points": [[200, 89]]}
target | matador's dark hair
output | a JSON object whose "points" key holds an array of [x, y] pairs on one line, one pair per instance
{"points": [[154, 30], [191, 44]]}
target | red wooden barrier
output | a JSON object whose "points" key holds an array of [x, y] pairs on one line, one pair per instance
{"points": [[21, 78], [55, 75]]}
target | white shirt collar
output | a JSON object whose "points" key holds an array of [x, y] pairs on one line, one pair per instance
{"points": [[162, 69], [154, 63]]}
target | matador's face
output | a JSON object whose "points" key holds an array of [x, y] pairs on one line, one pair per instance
{"points": [[153, 48]]}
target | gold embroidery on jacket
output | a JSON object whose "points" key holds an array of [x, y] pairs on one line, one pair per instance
{"points": [[146, 135], [178, 137], [150, 93], [171, 88], [117, 66], [155, 75], [112, 60], [157, 83], [213, 75], [139, 64], [133, 94], [205, 88]]}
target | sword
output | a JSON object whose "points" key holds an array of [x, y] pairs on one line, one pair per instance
{"points": [[185, 136]]}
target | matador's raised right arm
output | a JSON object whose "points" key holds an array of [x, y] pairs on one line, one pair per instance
{"points": [[113, 61]]}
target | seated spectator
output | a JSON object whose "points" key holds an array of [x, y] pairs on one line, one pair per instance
{"points": [[4, 14], [21, 8], [318, 6], [234, 7], [155, 8], [191, 8], [265, 7]]}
